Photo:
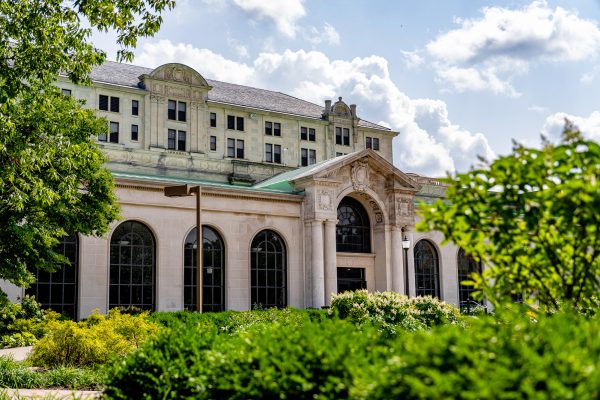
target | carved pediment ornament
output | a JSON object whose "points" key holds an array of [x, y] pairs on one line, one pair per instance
{"points": [[405, 207], [360, 176], [325, 200]]}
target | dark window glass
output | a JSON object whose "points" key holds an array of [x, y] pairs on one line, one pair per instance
{"points": [[58, 290], [103, 102], [303, 133], [369, 143], [181, 111], [268, 152], [346, 137], [66, 92], [114, 132], [338, 135], [466, 267], [312, 157], [171, 109], [312, 134], [353, 230], [181, 140], [171, 139], [426, 269], [277, 129], [134, 132], [268, 271], [230, 147], [213, 143], [213, 271], [240, 149], [277, 154], [338, 154], [213, 119], [351, 279], [268, 128], [240, 123], [375, 144], [132, 267], [230, 122], [135, 107], [114, 104], [303, 157]]}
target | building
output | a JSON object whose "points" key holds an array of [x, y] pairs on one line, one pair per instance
{"points": [[298, 201]]}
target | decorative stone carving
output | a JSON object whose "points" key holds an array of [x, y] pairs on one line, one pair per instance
{"points": [[404, 208], [157, 99], [325, 200], [360, 176]]}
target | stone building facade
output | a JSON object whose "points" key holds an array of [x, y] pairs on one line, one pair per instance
{"points": [[298, 201]]}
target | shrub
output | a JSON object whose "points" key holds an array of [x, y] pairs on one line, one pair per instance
{"points": [[392, 311], [21, 324], [93, 341]]}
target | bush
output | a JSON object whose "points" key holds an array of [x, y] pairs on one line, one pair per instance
{"points": [[21, 324], [93, 341], [391, 311]]}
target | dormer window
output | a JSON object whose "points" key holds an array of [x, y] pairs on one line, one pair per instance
{"points": [[342, 136]]}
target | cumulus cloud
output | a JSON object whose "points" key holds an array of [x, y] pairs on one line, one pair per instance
{"points": [[486, 53], [589, 126], [328, 35], [429, 142], [283, 13], [412, 59]]}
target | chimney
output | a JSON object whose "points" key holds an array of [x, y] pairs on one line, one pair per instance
{"points": [[353, 109], [327, 106]]}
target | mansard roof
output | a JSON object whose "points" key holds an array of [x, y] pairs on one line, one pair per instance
{"points": [[222, 92]]}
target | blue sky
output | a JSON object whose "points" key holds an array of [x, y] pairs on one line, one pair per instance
{"points": [[457, 78]]}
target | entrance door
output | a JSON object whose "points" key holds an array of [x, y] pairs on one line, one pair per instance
{"points": [[350, 279]]}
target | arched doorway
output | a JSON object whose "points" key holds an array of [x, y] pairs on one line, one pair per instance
{"points": [[427, 269], [58, 290], [132, 267], [466, 266], [268, 270], [213, 271], [353, 229]]}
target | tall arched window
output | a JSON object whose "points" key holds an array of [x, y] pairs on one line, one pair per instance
{"points": [[213, 271], [268, 270], [353, 230], [427, 269], [466, 266], [58, 290], [132, 267]]}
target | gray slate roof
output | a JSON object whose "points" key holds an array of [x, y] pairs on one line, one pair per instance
{"points": [[222, 92]]}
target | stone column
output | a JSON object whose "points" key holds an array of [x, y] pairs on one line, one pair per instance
{"points": [[318, 273], [397, 260], [330, 261]]}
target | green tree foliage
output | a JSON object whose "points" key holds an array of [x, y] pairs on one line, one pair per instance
{"points": [[52, 179], [532, 217]]}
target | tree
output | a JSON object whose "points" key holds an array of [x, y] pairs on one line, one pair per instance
{"points": [[533, 218], [52, 179]]}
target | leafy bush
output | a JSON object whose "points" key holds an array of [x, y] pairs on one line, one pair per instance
{"points": [[93, 341], [21, 324], [392, 311]]}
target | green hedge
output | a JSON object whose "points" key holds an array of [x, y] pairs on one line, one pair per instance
{"points": [[556, 357]]}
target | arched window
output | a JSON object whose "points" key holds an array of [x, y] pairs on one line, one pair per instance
{"points": [[268, 270], [132, 267], [427, 269], [466, 266], [353, 230], [58, 290], [213, 271]]}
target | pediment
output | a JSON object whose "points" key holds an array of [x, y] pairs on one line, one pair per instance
{"points": [[180, 73]]}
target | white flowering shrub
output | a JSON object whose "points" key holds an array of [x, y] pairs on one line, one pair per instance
{"points": [[393, 311]]}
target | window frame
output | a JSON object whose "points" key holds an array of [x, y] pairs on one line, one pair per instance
{"points": [[113, 134], [181, 143], [135, 107], [213, 119], [135, 132], [212, 143], [171, 139]]}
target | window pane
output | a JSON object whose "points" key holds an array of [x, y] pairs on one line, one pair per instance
{"points": [[230, 122], [181, 141], [277, 129], [114, 104], [304, 157], [368, 144], [338, 135], [172, 104], [213, 143], [268, 278], [303, 133], [240, 123], [346, 137], [171, 139], [375, 144], [312, 134], [134, 107], [182, 111], [230, 148], [268, 152], [66, 92], [103, 102], [114, 132], [277, 154], [240, 149], [213, 120], [312, 157], [134, 132], [268, 128]]}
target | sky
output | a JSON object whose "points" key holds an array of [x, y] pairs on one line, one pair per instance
{"points": [[457, 79]]}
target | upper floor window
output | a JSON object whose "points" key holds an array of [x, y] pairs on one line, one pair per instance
{"points": [[134, 132], [372, 143], [235, 148], [114, 132], [213, 143], [273, 153], [235, 123], [272, 128], [66, 92], [307, 134], [176, 140], [342, 136], [176, 111], [135, 107], [213, 120], [308, 157], [104, 102]]}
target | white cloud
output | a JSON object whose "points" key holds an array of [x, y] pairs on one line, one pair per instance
{"points": [[429, 142], [537, 109], [589, 126], [591, 76], [412, 59], [486, 53], [328, 35], [283, 13]]}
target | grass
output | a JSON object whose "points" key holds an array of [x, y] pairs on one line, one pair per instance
{"points": [[17, 375]]}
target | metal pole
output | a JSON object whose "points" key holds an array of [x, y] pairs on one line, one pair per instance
{"points": [[406, 273], [198, 251]]}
